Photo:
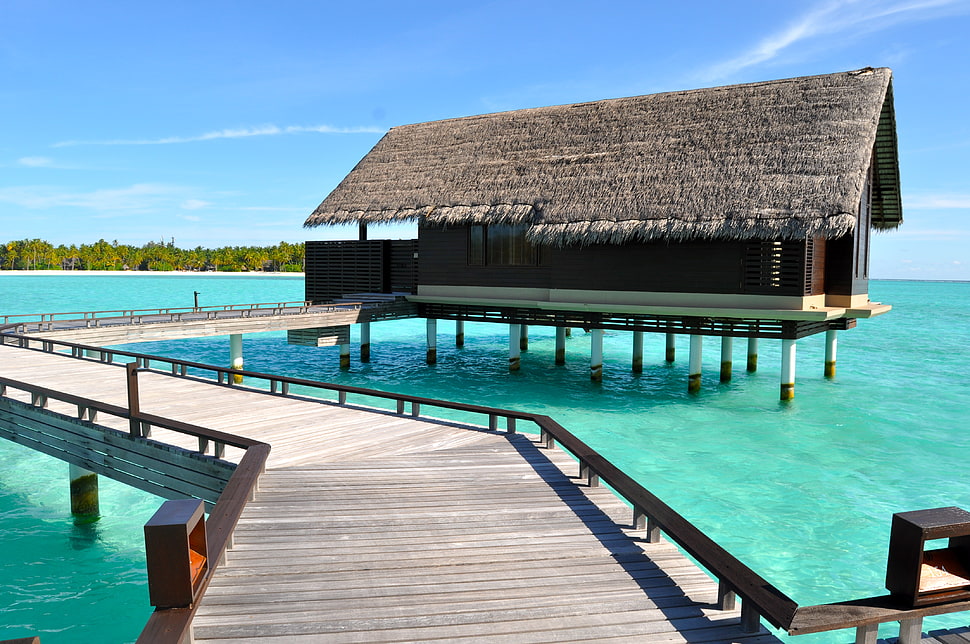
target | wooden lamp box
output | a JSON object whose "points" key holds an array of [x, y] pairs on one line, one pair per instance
{"points": [[177, 553], [922, 577]]}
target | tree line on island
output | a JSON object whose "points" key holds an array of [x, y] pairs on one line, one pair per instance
{"points": [[37, 254]]}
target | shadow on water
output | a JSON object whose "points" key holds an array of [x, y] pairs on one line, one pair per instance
{"points": [[85, 532]]}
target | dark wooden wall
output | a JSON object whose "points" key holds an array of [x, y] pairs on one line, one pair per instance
{"points": [[686, 267], [336, 268]]}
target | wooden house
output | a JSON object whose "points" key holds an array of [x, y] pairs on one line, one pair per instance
{"points": [[738, 211]]}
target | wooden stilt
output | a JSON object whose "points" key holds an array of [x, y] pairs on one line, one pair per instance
{"points": [[569, 332], [365, 342], [637, 351], [787, 369], [695, 360], [85, 503], [752, 354], [561, 345], [596, 355], [432, 341], [831, 342], [727, 362], [236, 355], [459, 333], [515, 359], [671, 353], [523, 337]]}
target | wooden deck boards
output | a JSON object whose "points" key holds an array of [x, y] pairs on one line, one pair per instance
{"points": [[374, 527]]}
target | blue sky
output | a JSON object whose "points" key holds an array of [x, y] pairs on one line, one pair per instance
{"points": [[219, 123]]}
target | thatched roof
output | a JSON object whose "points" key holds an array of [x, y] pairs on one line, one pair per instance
{"points": [[781, 159]]}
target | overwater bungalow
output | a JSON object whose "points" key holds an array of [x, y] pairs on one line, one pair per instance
{"points": [[739, 212]]}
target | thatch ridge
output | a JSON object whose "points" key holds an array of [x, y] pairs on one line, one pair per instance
{"points": [[777, 159]]}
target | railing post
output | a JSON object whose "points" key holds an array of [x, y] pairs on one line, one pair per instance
{"points": [[134, 424], [415, 409], [400, 406], [342, 397], [910, 630], [510, 425], [727, 599], [750, 619], [867, 634]]}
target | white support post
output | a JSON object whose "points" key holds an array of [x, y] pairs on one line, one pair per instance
{"points": [[787, 369], [694, 363], [345, 355], [831, 343], [752, 354], [727, 359], [596, 355], [523, 337], [365, 341], [236, 355], [637, 351], [85, 504], [560, 345], [432, 341], [671, 353], [515, 359], [459, 333]]}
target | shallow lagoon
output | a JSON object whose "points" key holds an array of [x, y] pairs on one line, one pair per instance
{"points": [[802, 492]]}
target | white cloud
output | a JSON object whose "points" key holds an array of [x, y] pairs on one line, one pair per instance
{"points": [[135, 198], [194, 204], [238, 133], [936, 202], [36, 162], [834, 17]]}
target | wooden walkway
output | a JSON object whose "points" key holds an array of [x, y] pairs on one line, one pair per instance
{"points": [[374, 527]]}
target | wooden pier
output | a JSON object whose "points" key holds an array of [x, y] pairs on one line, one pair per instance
{"points": [[372, 524]]}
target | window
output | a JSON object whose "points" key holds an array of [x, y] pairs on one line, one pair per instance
{"points": [[500, 246]]}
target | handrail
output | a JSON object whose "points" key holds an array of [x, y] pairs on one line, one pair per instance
{"points": [[759, 597], [171, 625], [84, 315]]}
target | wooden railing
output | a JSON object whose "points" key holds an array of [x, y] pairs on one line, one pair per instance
{"points": [[35, 323], [172, 625], [759, 598]]}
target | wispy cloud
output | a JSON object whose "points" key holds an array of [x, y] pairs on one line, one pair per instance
{"points": [[830, 18], [36, 162], [936, 202], [235, 133], [132, 199]]}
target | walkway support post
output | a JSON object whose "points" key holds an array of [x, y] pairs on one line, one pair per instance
{"points": [[694, 364], [638, 352], [345, 355], [524, 337], [787, 369], [596, 355], [459, 333], [515, 356], [831, 342], [561, 345], [432, 357], [752, 355], [727, 362], [85, 505], [236, 355], [671, 352], [365, 341]]}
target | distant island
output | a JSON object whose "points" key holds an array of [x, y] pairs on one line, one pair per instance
{"points": [[37, 254]]}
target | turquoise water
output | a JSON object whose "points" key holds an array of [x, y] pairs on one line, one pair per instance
{"points": [[802, 492]]}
